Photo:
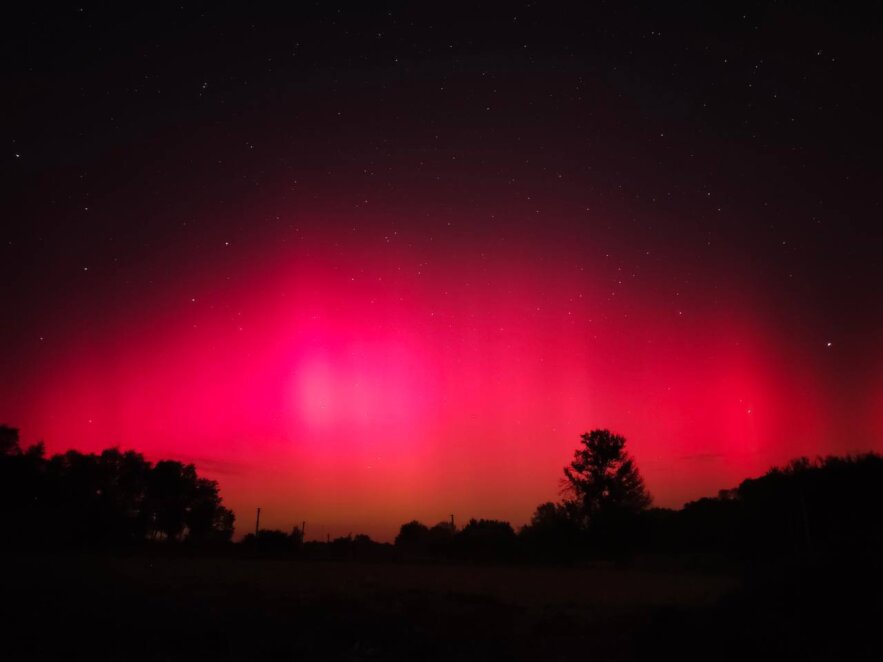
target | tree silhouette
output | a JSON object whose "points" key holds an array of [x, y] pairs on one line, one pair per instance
{"points": [[413, 536], [206, 519], [440, 539], [9, 441], [114, 497], [603, 482], [170, 492], [486, 539], [554, 531], [21, 483]]}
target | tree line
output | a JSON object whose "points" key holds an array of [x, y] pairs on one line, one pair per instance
{"points": [[110, 498], [808, 508]]}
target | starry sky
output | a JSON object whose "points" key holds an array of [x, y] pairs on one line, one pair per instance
{"points": [[368, 266]]}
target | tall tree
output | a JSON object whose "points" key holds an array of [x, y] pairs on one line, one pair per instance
{"points": [[603, 481]]}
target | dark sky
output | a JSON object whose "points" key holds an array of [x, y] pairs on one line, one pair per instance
{"points": [[239, 235]]}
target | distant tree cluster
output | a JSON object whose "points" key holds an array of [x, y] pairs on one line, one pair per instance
{"points": [[483, 539], [277, 543], [113, 497], [809, 508], [820, 507], [604, 500]]}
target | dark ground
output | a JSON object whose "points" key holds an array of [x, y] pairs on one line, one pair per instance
{"points": [[146, 607]]}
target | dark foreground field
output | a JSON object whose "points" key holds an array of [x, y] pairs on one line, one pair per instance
{"points": [[162, 608]]}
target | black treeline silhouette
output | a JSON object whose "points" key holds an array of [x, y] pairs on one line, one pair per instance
{"points": [[110, 498], [809, 509]]}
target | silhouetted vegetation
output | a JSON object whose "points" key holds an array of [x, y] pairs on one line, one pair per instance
{"points": [[487, 539], [810, 508], [554, 533], [807, 509], [273, 543], [484, 540], [786, 561], [413, 536], [603, 480], [109, 498]]}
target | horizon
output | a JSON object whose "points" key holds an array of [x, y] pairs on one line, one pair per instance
{"points": [[242, 528]]}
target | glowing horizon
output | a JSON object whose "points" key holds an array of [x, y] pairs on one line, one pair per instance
{"points": [[357, 380]]}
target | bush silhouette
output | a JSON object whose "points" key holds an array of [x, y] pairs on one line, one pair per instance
{"points": [[554, 532], [413, 537], [486, 539]]}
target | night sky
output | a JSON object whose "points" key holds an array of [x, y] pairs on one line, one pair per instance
{"points": [[368, 266]]}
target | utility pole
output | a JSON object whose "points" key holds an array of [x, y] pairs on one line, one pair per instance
{"points": [[453, 528], [303, 530], [257, 524]]}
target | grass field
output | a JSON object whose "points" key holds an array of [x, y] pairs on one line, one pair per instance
{"points": [[185, 608], [222, 608]]}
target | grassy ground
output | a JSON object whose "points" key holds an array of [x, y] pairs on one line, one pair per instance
{"points": [[233, 609], [184, 608]]}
